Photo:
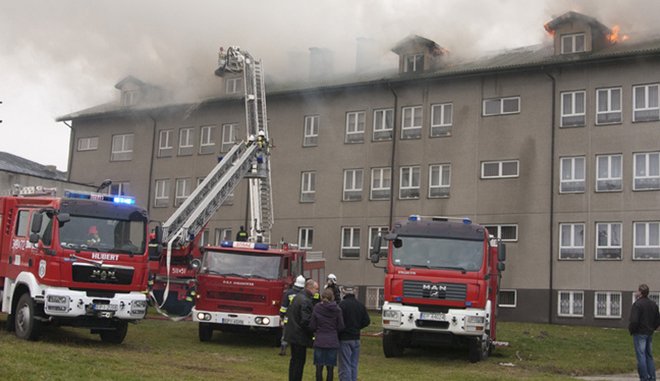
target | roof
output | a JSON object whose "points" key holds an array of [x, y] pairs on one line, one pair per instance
{"points": [[574, 16], [17, 164], [415, 39]]}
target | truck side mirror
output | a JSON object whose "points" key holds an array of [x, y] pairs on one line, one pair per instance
{"points": [[34, 238], [37, 220], [63, 218], [500, 266], [375, 257], [158, 234], [501, 252]]}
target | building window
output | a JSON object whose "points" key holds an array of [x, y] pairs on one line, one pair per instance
{"points": [[439, 180], [413, 63], [233, 85], [441, 119], [186, 141], [647, 240], [228, 136], [374, 299], [411, 122], [381, 183], [119, 188], [507, 233], [607, 305], [571, 241], [376, 231], [608, 173], [608, 106], [311, 134], [409, 183], [122, 147], [182, 191], [129, 97], [88, 144], [383, 124], [572, 175], [207, 140], [162, 196], [204, 239], [573, 109], [572, 43], [571, 304], [507, 298], [499, 169], [645, 103], [308, 187], [222, 234], [350, 242], [501, 106], [647, 171], [355, 127], [165, 143], [608, 240], [353, 184], [305, 238]]}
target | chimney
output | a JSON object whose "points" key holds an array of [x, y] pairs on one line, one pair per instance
{"points": [[51, 168], [366, 57], [320, 63]]}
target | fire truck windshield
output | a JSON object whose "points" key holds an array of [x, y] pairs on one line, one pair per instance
{"points": [[103, 234], [438, 253], [244, 265]]}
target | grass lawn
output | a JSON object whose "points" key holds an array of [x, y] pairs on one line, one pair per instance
{"points": [[165, 350]]}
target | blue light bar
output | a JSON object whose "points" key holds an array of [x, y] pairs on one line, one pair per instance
{"points": [[244, 245], [100, 197], [467, 221], [124, 200], [414, 217]]}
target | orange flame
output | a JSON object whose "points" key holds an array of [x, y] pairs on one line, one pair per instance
{"points": [[615, 37]]}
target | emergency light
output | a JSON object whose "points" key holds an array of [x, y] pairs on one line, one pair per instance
{"points": [[100, 197], [245, 245]]}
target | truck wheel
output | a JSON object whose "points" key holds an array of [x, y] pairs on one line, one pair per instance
{"points": [[391, 344], [479, 348], [25, 324], [205, 332], [115, 336]]}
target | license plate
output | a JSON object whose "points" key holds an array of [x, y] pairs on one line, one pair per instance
{"points": [[437, 316], [232, 321], [105, 307]]}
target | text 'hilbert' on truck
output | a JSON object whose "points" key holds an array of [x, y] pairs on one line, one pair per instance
{"points": [[441, 285], [79, 260]]}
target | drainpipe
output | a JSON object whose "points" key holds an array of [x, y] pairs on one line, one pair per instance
{"points": [[71, 148], [151, 162], [393, 155], [552, 195]]}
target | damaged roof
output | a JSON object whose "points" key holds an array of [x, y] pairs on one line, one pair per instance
{"points": [[17, 164]]}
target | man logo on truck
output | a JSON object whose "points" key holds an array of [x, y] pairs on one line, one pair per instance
{"points": [[434, 291]]}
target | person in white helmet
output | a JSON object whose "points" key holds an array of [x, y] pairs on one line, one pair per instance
{"points": [[289, 294], [331, 283]]}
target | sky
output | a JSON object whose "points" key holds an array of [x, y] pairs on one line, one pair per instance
{"points": [[62, 56]]}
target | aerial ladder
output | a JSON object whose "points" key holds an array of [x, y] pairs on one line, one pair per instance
{"points": [[247, 159]]}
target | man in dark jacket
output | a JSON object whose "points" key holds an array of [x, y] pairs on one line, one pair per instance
{"points": [[355, 318], [644, 319], [297, 333], [288, 296]]}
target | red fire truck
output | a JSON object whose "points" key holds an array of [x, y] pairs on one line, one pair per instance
{"points": [[441, 285], [78, 260]]}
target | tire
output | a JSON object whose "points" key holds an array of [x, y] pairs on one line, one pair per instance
{"points": [[392, 346], [26, 326], [205, 332], [479, 348], [116, 335]]}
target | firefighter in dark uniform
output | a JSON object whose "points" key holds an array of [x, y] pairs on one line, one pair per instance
{"points": [[242, 235], [284, 306]]}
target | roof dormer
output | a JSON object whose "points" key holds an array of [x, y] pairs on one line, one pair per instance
{"points": [[576, 33], [131, 90], [418, 54]]}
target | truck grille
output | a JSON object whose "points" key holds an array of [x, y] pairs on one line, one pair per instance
{"points": [[94, 274], [430, 290]]}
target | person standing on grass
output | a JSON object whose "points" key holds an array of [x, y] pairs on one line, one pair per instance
{"points": [[327, 321], [355, 318], [644, 319], [298, 333]]}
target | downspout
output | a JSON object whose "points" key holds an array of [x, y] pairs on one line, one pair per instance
{"points": [[151, 162], [393, 155], [71, 148], [552, 195]]}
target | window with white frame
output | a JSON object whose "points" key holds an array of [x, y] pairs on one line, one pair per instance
{"points": [[308, 186], [228, 136], [571, 241], [88, 144], [607, 305], [129, 97], [572, 175], [573, 109], [374, 298], [499, 169], [507, 298], [647, 240], [186, 141], [204, 239], [355, 127], [501, 106], [608, 106], [350, 242], [233, 85], [505, 232], [383, 124], [122, 147], [570, 304], [311, 132], [413, 63], [439, 180], [441, 119], [162, 193], [119, 188], [376, 231], [207, 140], [181, 191], [572, 43], [411, 122], [608, 240], [409, 182], [645, 103], [647, 171], [305, 238], [655, 296], [165, 143], [222, 234], [381, 183], [609, 173], [353, 184]]}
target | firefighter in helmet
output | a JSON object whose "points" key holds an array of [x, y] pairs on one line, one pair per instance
{"points": [[291, 293]]}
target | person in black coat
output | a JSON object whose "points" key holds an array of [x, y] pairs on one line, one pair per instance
{"points": [[644, 320], [297, 333], [355, 318]]}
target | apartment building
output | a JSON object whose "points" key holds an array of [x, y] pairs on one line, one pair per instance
{"points": [[555, 148]]}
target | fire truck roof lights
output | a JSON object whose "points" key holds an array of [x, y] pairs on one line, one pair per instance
{"points": [[245, 245], [100, 197], [417, 217]]}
